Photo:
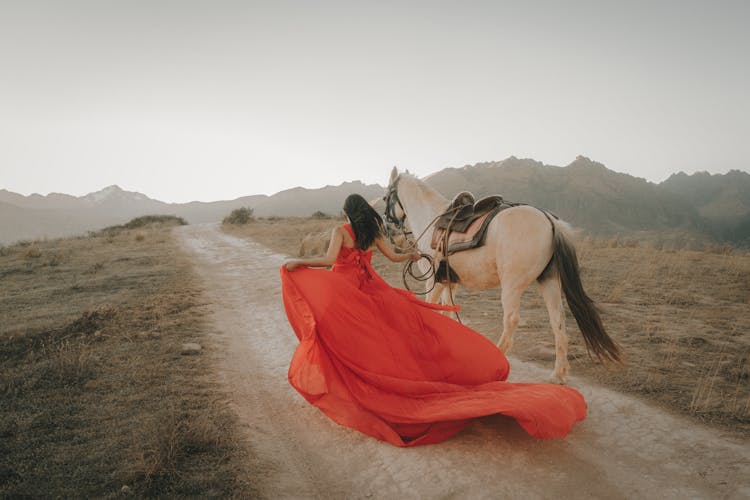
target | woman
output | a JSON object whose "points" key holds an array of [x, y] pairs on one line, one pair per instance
{"points": [[379, 360], [367, 225]]}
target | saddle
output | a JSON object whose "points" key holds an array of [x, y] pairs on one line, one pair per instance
{"points": [[464, 210], [463, 226], [466, 222]]}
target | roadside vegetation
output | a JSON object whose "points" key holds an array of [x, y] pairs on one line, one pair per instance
{"points": [[145, 221], [681, 316], [97, 398], [239, 216]]}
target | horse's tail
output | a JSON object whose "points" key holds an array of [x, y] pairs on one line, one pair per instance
{"points": [[583, 308]]}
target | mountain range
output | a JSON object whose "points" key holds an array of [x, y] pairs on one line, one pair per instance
{"points": [[684, 210], [56, 215]]}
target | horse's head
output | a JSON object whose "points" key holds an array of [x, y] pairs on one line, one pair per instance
{"points": [[395, 215], [394, 209]]}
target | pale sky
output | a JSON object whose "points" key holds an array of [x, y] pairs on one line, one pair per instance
{"points": [[186, 100]]}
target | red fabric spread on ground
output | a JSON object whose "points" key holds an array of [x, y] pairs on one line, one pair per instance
{"points": [[379, 360]]}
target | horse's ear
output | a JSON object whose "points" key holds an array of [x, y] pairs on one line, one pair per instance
{"points": [[394, 174]]}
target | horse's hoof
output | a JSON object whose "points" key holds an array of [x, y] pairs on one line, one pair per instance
{"points": [[554, 378]]}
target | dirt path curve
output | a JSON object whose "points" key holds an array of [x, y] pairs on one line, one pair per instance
{"points": [[624, 449]]}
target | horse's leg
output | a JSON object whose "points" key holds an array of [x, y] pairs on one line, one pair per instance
{"points": [[435, 294], [551, 293], [448, 297], [439, 295], [511, 299]]}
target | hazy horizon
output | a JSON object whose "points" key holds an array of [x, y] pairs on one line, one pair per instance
{"points": [[191, 100], [383, 184]]}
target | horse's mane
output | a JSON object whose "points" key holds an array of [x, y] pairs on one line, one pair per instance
{"points": [[427, 190]]}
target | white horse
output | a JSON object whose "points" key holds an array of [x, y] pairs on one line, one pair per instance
{"points": [[522, 245]]}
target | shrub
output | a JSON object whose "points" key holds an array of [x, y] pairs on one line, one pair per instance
{"points": [[143, 221], [148, 220], [92, 319], [32, 253], [239, 216], [320, 215]]}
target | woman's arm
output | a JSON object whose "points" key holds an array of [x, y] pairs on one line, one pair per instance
{"points": [[328, 260], [387, 250]]}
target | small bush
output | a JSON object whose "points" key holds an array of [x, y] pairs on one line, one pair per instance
{"points": [[143, 221], [239, 216], [92, 319], [148, 220], [32, 253], [320, 215]]}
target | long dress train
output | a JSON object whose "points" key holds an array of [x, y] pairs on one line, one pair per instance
{"points": [[377, 359]]}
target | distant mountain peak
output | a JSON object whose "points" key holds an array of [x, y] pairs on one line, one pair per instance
{"points": [[708, 175], [586, 164], [585, 160], [116, 194], [103, 194], [114, 188], [679, 175], [514, 161]]}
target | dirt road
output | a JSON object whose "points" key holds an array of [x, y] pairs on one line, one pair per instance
{"points": [[624, 449]]}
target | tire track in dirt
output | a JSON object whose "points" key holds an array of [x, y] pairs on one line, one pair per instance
{"points": [[624, 449]]}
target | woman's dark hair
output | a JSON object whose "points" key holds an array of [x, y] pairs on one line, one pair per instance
{"points": [[366, 222]]}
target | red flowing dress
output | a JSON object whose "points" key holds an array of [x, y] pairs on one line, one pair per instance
{"points": [[377, 359]]}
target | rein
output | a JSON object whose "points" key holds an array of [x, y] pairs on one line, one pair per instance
{"points": [[391, 200], [426, 276]]}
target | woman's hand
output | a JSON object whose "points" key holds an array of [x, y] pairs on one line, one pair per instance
{"points": [[291, 265], [415, 256]]}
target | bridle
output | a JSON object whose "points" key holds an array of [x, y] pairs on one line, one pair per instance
{"points": [[391, 202]]}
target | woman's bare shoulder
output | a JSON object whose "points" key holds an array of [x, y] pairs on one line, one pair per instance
{"points": [[340, 232]]}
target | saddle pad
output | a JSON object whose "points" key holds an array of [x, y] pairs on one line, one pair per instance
{"points": [[473, 237]]}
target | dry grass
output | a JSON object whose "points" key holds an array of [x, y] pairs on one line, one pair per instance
{"points": [[682, 318], [95, 398], [283, 234]]}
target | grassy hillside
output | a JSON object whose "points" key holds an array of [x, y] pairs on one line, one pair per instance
{"points": [[96, 399], [722, 200]]}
